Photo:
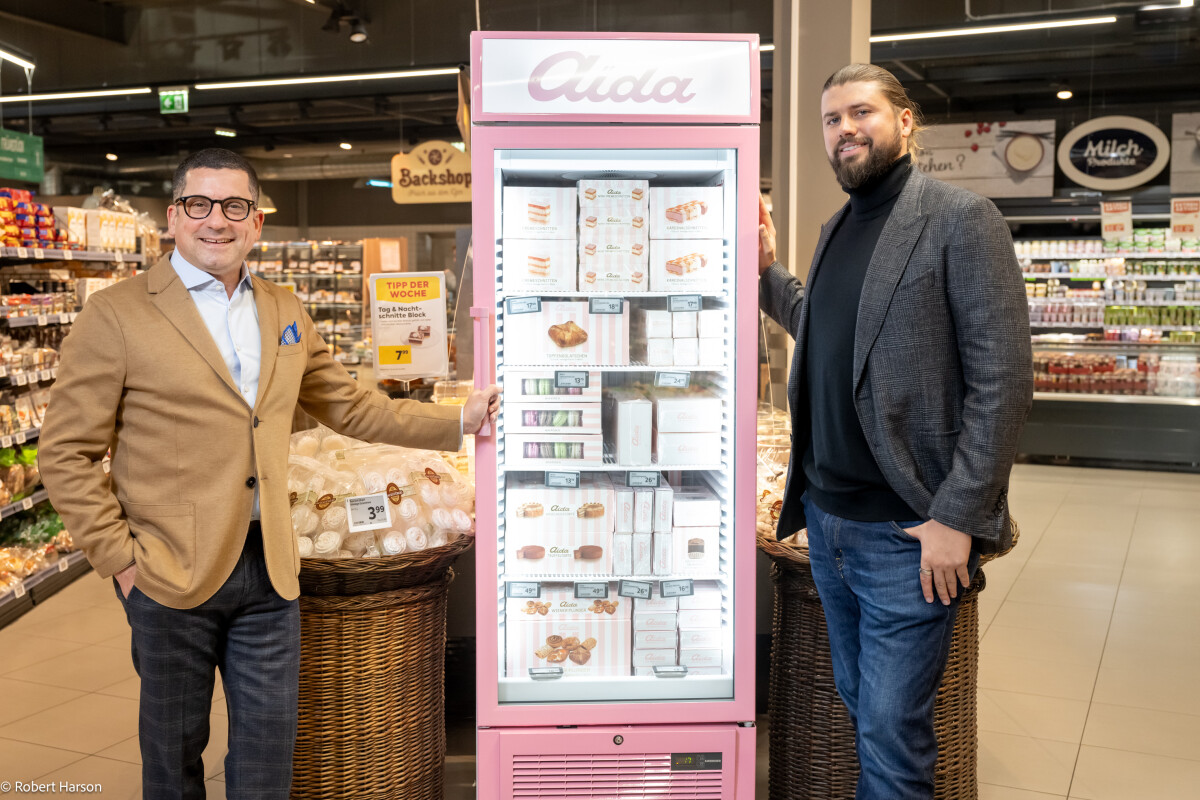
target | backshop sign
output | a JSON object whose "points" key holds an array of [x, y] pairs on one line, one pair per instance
{"points": [[1113, 154], [432, 172]]}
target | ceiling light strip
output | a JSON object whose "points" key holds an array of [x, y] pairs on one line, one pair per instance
{"points": [[23, 63], [33, 98], [1027, 26], [371, 76]]}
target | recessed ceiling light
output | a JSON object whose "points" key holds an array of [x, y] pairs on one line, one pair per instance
{"points": [[230, 132], [975, 31], [1064, 93], [111, 156], [345, 145], [287, 155]]}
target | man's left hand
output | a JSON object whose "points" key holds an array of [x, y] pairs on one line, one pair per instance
{"points": [[482, 406], [944, 554]]}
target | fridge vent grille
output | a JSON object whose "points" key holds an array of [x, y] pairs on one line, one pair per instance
{"points": [[600, 777]]}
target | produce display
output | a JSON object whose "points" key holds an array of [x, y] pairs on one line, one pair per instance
{"points": [[30, 543]]}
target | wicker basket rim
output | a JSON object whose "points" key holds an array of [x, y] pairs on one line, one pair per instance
{"points": [[790, 553]]}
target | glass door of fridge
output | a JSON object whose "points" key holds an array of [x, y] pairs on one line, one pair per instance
{"points": [[615, 346]]}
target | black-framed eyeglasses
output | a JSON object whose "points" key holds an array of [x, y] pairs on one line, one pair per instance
{"points": [[197, 206]]}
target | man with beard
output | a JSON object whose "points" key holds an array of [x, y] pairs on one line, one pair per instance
{"points": [[910, 383]]}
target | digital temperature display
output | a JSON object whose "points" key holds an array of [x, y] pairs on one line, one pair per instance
{"points": [[690, 762]]}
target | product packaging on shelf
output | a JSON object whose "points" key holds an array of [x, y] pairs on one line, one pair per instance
{"points": [[643, 510], [643, 554], [711, 351], [686, 212], [660, 352], [567, 333], [538, 265], [622, 554], [656, 602], [696, 553], [593, 192], [648, 659], [581, 646], [706, 595], [538, 212], [620, 273], [595, 244], [628, 426], [694, 507], [700, 638], [531, 508], [686, 449], [686, 265], [663, 553], [685, 352], [655, 640], [619, 223], [710, 323], [686, 411], [663, 506], [709, 658], [649, 323], [684, 324], [568, 418], [699, 618], [553, 450], [538, 386], [624, 509], [655, 620]]}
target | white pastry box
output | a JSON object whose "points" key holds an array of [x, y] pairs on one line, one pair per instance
{"points": [[556, 450], [700, 658], [539, 212], [568, 418], [558, 602], [697, 553], [538, 265], [655, 640], [687, 212], [656, 602], [649, 323], [531, 507], [686, 412], [541, 643], [543, 386], [694, 507], [593, 192], [620, 273], [706, 595], [566, 333], [699, 618], [614, 221], [687, 265], [628, 426], [550, 553], [654, 658], [700, 638], [655, 620], [686, 449]]}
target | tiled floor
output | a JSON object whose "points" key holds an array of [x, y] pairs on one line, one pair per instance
{"points": [[1087, 685]]}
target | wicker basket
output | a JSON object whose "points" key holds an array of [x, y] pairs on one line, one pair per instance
{"points": [[811, 739], [372, 677]]}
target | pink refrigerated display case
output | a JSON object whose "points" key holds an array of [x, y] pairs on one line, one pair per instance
{"points": [[616, 302]]}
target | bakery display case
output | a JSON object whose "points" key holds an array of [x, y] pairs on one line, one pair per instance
{"points": [[327, 276], [616, 304]]}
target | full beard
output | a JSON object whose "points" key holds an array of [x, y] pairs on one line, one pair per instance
{"points": [[880, 158]]}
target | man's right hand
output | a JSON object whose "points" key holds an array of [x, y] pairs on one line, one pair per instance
{"points": [[125, 579], [766, 237]]}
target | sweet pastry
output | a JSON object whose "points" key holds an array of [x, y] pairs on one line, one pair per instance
{"points": [[554, 641], [539, 265], [543, 651], [589, 552], [590, 248], [639, 222], [415, 338], [685, 212], [539, 211], [580, 655], [425, 330], [590, 222], [685, 264], [637, 249], [530, 510], [638, 194], [588, 644], [590, 511], [590, 277], [637, 277], [570, 642], [590, 193], [532, 552], [695, 548], [568, 334], [558, 656]]}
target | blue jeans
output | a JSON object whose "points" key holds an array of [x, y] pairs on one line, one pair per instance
{"points": [[252, 636], [889, 647]]}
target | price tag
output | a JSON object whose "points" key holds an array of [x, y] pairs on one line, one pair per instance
{"points": [[118, 257], [3, 372], [63, 564], [590, 591], [670, 672], [67, 254], [523, 305], [6, 441], [20, 379], [39, 254], [54, 372], [368, 512], [27, 503], [639, 590], [684, 302], [22, 252], [639, 480], [679, 588], [43, 320], [672, 380], [74, 315], [570, 380], [19, 590], [545, 673], [45, 374], [522, 589], [606, 305], [562, 480], [19, 437]]}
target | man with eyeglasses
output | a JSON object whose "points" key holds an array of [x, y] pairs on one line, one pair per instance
{"points": [[189, 375]]}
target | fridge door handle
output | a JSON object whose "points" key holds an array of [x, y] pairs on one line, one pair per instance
{"points": [[481, 318]]}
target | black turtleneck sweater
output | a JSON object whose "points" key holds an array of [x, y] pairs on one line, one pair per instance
{"points": [[843, 477]]}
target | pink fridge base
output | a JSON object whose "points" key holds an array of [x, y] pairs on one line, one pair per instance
{"points": [[597, 763], [745, 139]]}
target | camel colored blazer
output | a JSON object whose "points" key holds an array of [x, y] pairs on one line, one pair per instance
{"points": [[141, 377]]}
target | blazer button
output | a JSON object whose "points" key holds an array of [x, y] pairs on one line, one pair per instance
{"points": [[251, 481], [256, 422]]}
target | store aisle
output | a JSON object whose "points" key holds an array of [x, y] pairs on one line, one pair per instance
{"points": [[1091, 633]]}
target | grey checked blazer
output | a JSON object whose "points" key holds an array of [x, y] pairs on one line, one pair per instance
{"points": [[943, 372]]}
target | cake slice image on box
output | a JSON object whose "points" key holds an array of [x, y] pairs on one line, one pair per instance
{"points": [[539, 209], [686, 264], [685, 212], [539, 264]]}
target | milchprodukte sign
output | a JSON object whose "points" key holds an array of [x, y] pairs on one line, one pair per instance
{"points": [[21, 157], [432, 172], [1113, 154]]}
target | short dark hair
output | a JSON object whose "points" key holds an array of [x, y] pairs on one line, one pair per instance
{"points": [[891, 88], [213, 158]]}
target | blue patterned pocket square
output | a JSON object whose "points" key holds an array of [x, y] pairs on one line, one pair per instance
{"points": [[291, 335]]}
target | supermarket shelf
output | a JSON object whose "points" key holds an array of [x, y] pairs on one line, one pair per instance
{"points": [[609, 465], [555, 577], [1127, 399], [20, 437], [1042, 339], [40, 496], [575, 689], [1123, 254], [627, 296], [41, 320], [39, 254], [27, 378], [1095, 302], [622, 368], [1074, 276], [1101, 326], [36, 588]]}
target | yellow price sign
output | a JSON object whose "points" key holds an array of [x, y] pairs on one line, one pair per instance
{"points": [[391, 356]]}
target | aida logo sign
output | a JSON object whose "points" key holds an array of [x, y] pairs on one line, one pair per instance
{"points": [[1114, 153], [579, 76]]}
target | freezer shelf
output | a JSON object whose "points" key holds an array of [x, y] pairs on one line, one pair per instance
{"points": [[632, 688]]}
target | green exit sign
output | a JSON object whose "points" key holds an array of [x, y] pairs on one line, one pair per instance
{"points": [[173, 101]]}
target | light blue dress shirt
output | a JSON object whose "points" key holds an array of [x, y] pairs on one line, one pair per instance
{"points": [[233, 324]]}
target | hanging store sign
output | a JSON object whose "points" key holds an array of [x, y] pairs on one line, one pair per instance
{"points": [[526, 76], [1185, 153], [408, 325], [1113, 154], [994, 159], [21, 157], [1116, 220], [1185, 218], [432, 172]]}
